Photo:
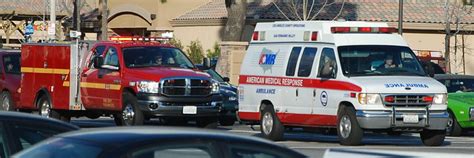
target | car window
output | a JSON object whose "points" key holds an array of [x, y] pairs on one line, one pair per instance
{"points": [[3, 142], [295, 53], [327, 62], [182, 150], [215, 75], [11, 63], [306, 63], [61, 148], [111, 57], [27, 135], [95, 52]]}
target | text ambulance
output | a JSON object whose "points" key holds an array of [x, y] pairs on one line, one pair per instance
{"points": [[355, 76]]}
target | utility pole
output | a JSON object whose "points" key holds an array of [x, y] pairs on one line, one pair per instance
{"points": [[77, 15], [400, 17], [52, 20], [104, 14]]}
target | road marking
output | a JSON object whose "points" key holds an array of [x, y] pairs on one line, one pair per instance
{"points": [[379, 147]]}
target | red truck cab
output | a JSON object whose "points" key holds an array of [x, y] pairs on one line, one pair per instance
{"points": [[9, 79], [132, 81]]}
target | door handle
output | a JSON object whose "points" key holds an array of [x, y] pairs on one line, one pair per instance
{"points": [[314, 92], [116, 81], [296, 92]]}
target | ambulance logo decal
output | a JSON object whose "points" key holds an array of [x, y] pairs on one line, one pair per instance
{"points": [[267, 59], [324, 98]]}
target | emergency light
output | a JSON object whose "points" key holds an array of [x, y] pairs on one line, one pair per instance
{"points": [[143, 39], [363, 30], [258, 36]]}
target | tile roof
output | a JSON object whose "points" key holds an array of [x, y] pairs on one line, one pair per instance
{"points": [[37, 7], [416, 11]]}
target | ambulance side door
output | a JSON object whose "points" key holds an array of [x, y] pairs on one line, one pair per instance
{"points": [[91, 96], [290, 106], [327, 98], [305, 95]]}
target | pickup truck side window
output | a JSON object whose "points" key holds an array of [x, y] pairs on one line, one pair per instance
{"points": [[11, 63], [306, 62], [111, 58], [327, 64], [295, 53], [95, 52]]}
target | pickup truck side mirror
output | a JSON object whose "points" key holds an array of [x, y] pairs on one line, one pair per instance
{"points": [[206, 63], [98, 62], [226, 79]]}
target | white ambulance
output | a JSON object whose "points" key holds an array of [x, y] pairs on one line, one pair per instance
{"points": [[352, 76]]}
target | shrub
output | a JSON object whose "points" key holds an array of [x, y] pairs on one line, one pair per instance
{"points": [[195, 52]]}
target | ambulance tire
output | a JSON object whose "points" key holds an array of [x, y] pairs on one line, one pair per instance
{"points": [[270, 125], [7, 102], [348, 129], [453, 128], [45, 108], [209, 123], [130, 115], [433, 137]]}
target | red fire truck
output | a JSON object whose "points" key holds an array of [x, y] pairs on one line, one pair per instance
{"points": [[132, 81]]}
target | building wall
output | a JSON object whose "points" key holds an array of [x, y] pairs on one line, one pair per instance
{"points": [[207, 35]]}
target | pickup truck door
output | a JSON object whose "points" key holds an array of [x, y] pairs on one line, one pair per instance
{"points": [[109, 77], [90, 96]]}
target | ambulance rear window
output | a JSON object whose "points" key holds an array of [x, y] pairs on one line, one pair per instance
{"points": [[295, 53], [306, 63]]}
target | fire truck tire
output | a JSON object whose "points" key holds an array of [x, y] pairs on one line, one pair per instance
{"points": [[7, 102], [453, 128], [45, 108], [131, 115], [433, 137], [209, 123], [270, 125], [348, 129]]}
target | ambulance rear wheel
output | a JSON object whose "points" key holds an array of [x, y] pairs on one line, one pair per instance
{"points": [[7, 102], [45, 108], [433, 137], [131, 115], [270, 125], [348, 129]]}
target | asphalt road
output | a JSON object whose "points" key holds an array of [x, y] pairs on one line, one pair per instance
{"points": [[315, 144]]}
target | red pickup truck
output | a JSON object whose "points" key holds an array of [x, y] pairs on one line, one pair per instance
{"points": [[9, 79], [132, 81]]}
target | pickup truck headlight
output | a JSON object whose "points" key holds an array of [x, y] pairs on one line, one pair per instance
{"points": [[440, 99], [148, 86], [367, 98], [215, 87]]}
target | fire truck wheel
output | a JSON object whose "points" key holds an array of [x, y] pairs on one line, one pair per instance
{"points": [[453, 128], [210, 123], [270, 125], [433, 137], [45, 108], [348, 129], [131, 114], [7, 102]]}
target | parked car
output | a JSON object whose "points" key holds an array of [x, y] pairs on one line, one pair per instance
{"points": [[230, 103], [145, 142], [19, 131], [9, 79], [460, 102]]}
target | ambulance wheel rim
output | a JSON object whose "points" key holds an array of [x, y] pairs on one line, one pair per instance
{"points": [[345, 126], [449, 127], [45, 109], [128, 114], [267, 123], [6, 103]]}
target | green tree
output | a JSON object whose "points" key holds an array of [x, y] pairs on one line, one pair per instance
{"points": [[215, 52], [177, 43], [195, 51]]}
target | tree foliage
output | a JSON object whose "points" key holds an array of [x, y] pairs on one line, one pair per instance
{"points": [[195, 51], [215, 52], [177, 43]]}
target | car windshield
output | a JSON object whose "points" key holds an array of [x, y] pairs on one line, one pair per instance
{"points": [[60, 148], [11, 63], [458, 85], [215, 75], [374, 60], [136, 57]]}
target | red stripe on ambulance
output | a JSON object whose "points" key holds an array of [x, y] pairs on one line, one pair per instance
{"points": [[295, 119]]}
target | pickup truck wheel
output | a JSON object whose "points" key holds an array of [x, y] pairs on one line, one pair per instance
{"points": [[210, 123], [432, 137], [270, 125], [7, 102], [131, 114], [45, 108], [348, 129], [453, 128]]}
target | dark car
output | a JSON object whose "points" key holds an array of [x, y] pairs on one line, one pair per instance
{"points": [[230, 103], [149, 142], [9, 79], [19, 131]]}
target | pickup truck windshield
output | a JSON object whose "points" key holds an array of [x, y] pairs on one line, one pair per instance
{"points": [[379, 60], [138, 57]]}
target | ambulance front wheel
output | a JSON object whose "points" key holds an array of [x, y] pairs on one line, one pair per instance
{"points": [[131, 115], [270, 125], [348, 129]]}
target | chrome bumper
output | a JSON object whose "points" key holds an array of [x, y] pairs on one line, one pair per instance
{"points": [[433, 120]]}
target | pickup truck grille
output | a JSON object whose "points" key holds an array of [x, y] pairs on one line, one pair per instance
{"points": [[407, 101], [186, 87]]}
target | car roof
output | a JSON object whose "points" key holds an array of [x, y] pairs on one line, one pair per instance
{"points": [[31, 118], [9, 51], [134, 44], [119, 136], [452, 76]]}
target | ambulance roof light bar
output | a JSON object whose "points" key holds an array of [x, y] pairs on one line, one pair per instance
{"points": [[363, 30], [136, 39]]}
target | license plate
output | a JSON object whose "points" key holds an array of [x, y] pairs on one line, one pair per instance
{"points": [[189, 110], [410, 119]]}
